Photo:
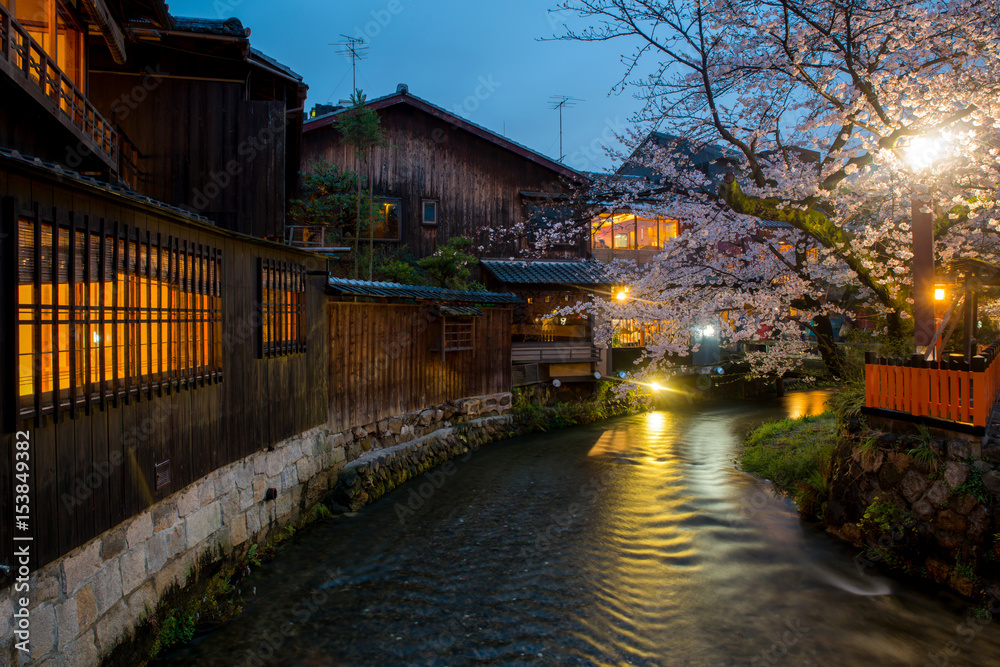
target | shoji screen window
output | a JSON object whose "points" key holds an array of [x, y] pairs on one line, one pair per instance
{"points": [[110, 313]]}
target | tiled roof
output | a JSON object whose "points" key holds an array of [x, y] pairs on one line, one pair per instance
{"points": [[284, 69], [70, 175], [396, 290], [231, 27], [548, 272]]}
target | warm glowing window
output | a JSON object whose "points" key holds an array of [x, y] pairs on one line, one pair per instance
{"points": [[385, 221], [626, 231], [58, 35], [69, 46], [106, 314], [283, 307]]}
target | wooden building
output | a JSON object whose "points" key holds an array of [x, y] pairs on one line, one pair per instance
{"points": [[180, 110], [398, 348], [547, 345], [144, 343], [441, 176]]}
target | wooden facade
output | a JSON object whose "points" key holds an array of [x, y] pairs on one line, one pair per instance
{"points": [[216, 125], [98, 457], [478, 179], [386, 360]]}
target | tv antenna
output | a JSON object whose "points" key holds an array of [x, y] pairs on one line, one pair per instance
{"points": [[561, 102], [355, 49]]}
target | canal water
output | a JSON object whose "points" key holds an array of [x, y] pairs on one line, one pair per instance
{"points": [[633, 541]]}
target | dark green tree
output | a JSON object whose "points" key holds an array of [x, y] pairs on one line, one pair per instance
{"points": [[361, 129]]}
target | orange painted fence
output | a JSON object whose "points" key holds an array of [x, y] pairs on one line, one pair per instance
{"points": [[950, 390]]}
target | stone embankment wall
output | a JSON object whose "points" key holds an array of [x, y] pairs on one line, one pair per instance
{"points": [[91, 600], [442, 433], [933, 505]]}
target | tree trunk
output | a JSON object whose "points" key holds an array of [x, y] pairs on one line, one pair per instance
{"points": [[371, 215], [833, 357], [357, 222]]}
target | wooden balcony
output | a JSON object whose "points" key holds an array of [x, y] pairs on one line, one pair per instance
{"points": [[25, 62], [554, 353], [640, 256]]}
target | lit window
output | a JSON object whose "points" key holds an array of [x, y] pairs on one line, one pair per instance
{"points": [[385, 223], [283, 308], [430, 212], [105, 315]]}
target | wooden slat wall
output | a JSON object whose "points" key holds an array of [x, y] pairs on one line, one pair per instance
{"points": [[383, 361], [476, 182], [205, 147], [199, 428]]}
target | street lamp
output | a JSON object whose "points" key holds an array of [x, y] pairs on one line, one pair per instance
{"points": [[921, 153]]}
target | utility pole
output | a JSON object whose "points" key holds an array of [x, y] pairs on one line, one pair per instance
{"points": [[560, 102]]}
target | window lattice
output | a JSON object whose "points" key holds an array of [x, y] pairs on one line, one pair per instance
{"points": [[283, 307], [104, 312], [458, 334]]}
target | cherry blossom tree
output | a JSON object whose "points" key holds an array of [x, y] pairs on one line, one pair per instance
{"points": [[829, 113]]}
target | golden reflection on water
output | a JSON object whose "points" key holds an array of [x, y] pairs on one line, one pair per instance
{"points": [[642, 535], [802, 403]]}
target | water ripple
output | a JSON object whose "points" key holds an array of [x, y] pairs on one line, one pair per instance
{"points": [[613, 544]]}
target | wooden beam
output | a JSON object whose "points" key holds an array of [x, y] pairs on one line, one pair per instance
{"points": [[106, 23]]}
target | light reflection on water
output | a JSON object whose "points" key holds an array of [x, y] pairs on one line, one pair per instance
{"points": [[630, 542]]}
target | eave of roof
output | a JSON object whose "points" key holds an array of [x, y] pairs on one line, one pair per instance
{"points": [[231, 27], [91, 185], [548, 272], [438, 112], [274, 64], [382, 290]]}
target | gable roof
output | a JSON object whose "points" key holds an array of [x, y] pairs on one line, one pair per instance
{"points": [[404, 97], [548, 272]]}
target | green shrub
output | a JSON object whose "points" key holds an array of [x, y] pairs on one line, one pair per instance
{"points": [[880, 517]]}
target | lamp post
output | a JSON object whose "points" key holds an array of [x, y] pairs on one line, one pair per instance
{"points": [[922, 227], [921, 153]]}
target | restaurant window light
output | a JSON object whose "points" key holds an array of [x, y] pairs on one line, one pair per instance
{"points": [[631, 231]]}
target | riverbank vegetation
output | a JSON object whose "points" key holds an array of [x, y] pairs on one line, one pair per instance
{"points": [[535, 410], [795, 455]]}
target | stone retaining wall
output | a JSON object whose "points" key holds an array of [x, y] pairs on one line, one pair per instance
{"points": [[87, 602], [933, 505]]}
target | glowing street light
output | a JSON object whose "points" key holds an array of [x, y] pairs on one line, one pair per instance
{"points": [[939, 294], [921, 152], [622, 294], [709, 330]]}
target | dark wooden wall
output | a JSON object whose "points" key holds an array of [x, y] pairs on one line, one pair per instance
{"points": [[257, 403], [203, 147], [476, 182], [382, 363]]}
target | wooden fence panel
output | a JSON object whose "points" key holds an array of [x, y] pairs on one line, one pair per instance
{"points": [[386, 361], [949, 390]]}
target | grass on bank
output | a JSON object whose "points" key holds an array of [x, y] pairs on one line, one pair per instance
{"points": [[795, 455]]}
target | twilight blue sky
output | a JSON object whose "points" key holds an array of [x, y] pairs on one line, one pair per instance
{"points": [[448, 51]]}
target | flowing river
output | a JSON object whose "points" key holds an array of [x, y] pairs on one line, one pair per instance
{"points": [[633, 541]]}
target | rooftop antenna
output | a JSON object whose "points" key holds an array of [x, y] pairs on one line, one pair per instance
{"points": [[561, 102], [355, 49]]}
